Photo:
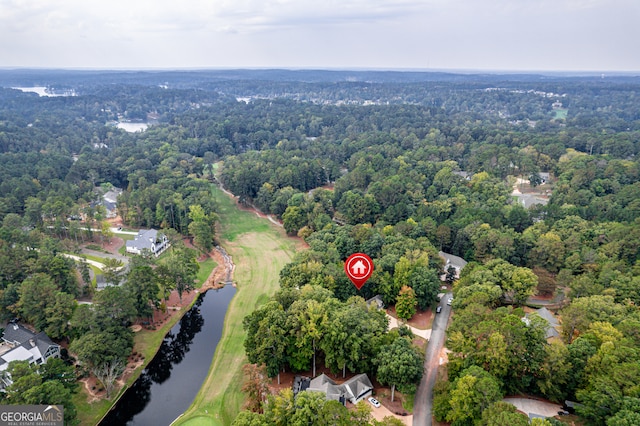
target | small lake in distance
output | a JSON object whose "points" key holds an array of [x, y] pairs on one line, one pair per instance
{"points": [[132, 127]]}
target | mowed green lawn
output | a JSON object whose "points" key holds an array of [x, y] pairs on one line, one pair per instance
{"points": [[259, 250]]}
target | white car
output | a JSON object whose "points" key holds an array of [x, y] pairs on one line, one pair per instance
{"points": [[374, 402], [449, 300]]}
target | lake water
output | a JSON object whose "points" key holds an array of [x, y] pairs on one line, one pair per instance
{"points": [[168, 385], [132, 127], [43, 91]]}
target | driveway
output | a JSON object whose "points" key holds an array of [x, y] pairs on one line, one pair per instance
{"points": [[424, 395], [393, 323], [89, 261], [534, 406], [381, 412], [123, 259]]}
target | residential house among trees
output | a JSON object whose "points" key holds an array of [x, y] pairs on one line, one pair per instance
{"points": [[530, 200], [451, 260], [353, 390], [110, 200], [21, 344], [550, 319], [148, 239]]}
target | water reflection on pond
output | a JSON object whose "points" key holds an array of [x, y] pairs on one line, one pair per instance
{"points": [[168, 385]]}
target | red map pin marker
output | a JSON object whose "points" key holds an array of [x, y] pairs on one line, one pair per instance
{"points": [[358, 268]]}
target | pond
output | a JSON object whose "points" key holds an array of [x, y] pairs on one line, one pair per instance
{"points": [[132, 127], [170, 382]]}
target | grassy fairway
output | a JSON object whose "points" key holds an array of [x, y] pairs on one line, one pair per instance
{"points": [[259, 250]]}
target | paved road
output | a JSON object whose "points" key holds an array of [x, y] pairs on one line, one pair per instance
{"points": [[103, 255], [89, 261], [424, 395]]}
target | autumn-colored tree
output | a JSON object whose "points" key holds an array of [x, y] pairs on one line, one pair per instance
{"points": [[406, 303], [255, 387]]}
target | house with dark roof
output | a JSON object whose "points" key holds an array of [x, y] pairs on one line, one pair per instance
{"points": [[150, 240], [353, 390], [108, 200], [21, 344], [550, 319]]}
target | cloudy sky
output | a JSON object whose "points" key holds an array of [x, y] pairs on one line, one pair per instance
{"points": [[516, 35]]}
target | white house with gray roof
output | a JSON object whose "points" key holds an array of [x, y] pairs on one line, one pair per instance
{"points": [[530, 200], [150, 240], [452, 260], [21, 344]]}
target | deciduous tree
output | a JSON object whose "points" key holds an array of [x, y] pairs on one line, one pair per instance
{"points": [[399, 364], [471, 393], [406, 303]]}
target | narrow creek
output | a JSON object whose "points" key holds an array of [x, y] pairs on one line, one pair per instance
{"points": [[170, 382]]}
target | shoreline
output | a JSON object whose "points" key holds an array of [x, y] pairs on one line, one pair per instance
{"points": [[175, 314], [260, 250]]}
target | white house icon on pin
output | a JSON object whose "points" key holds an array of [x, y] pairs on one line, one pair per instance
{"points": [[359, 268]]}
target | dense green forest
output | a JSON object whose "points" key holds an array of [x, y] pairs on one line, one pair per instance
{"points": [[395, 165]]}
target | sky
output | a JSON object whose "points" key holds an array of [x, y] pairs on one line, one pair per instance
{"points": [[486, 35]]}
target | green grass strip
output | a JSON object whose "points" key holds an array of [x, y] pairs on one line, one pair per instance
{"points": [[259, 250]]}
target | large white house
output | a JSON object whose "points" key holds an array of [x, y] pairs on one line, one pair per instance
{"points": [[148, 239], [21, 344]]}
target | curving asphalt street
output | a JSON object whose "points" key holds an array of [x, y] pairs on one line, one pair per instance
{"points": [[424, 395]]}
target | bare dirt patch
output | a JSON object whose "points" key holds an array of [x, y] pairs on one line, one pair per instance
{"points": [[422, 320], [383, 394], [95, 390], [112, 245]]}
